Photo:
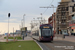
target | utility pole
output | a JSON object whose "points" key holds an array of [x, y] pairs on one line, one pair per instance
{"points": [[37, 22], [8, 27], [41, 18], [22, 23], [24, 20], [53, 12], [31, 27], [34, 22]]}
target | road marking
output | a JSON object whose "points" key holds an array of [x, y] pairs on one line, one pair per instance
{"points": [[39, 45], [49, 46]]}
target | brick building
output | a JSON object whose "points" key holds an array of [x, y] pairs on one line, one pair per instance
{"points": [[50, 21]]}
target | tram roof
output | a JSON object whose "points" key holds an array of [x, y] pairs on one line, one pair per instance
{"points": [[46, 24]]}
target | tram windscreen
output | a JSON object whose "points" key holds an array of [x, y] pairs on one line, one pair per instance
{"points": [[46, 32]]}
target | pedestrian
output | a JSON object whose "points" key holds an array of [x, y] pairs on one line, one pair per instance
{"points": [[23, 37]]}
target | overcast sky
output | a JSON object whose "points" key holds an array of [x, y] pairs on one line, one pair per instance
{"points": [[18, 8]]}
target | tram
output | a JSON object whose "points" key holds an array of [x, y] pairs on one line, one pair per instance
{"points": [[43, 32]]}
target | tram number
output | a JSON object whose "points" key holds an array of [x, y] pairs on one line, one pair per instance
{"points": [[45, 27]]}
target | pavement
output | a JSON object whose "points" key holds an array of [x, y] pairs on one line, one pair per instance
{"points": [[27, 38], [2, 39], [67, 38]]}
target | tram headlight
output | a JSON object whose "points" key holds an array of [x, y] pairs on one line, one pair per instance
{"points": [[42, 37], [51, 36]]}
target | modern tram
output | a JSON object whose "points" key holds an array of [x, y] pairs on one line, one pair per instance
{"points": [[43, 32]]}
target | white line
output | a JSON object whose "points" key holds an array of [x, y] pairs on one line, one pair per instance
{"points": [[39, 45]]}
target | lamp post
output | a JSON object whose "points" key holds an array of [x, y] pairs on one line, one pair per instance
{"points": [[24, 20], [8, 27], [22, 28], [22, 23], [34, 21], [41, 18]]}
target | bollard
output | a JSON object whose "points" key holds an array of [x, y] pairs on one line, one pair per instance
{"points": [[7, 39]]}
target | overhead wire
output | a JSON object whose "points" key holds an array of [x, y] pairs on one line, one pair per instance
{"points": [[47, 8]]}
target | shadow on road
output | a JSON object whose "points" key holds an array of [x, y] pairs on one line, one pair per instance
{"points": [[46, 41], [43, 41]]}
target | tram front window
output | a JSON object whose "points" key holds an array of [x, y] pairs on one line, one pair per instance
{"points": [[46, 32]]}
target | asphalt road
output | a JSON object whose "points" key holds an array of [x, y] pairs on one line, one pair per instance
{"points": [[57, 45]]}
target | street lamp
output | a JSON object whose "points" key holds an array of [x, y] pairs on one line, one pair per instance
{"points": [[22, 23], [24, 20], [8, 27], [8, 21]]}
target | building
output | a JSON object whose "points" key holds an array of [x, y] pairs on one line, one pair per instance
{"points": [[72, 17], [62, 15], [50, 21], [18, 31], [65, 0]]}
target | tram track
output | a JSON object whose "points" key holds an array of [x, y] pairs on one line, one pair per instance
{"points": [[58, 43], [49, 46]]}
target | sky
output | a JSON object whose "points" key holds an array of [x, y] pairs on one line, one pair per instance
{"points": [[17, 8]]}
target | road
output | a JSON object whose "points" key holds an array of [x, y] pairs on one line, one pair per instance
{"points": [[57, 45]]}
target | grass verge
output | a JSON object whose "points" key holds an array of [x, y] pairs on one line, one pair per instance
{"points": [[19, 45], [12, 37]]}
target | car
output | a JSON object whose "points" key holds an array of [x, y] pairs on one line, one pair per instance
{"points": [[67, 34]]}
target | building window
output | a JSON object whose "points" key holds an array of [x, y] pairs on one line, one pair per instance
{"points": [[73, 9], [63, 13], [72, 29], [64, 20], [66, 8], [57, 16], [63, 8], [61, 21], [70, 18]]}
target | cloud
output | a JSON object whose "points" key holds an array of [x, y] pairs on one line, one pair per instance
{"points": [[18, 8], [4, 27], [12, 21], [16, 26]]}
